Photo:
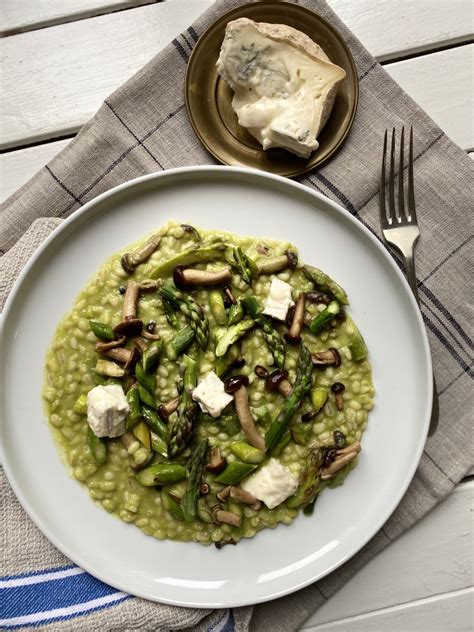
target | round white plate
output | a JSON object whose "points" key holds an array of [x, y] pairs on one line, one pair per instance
{"points": [[275, 562]]}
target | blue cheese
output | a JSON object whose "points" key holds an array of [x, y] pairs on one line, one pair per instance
{"points": [[107, 410], [211, 395], [284, 84], [272, 484], [278, 300]]}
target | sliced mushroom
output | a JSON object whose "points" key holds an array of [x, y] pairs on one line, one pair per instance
{"points": [[165, 410], [102, 347], [130, 260], [224, 493], [150, 285], [242, 496], [217, 462], [227, 517], [237, 386], [338, 389], [150, 336], [187, 277], [343, 457], [278, 380], [130, 324], [204, 489], [140, 344], [277, 264], [294, 335], [128, 357], [330, 357]]}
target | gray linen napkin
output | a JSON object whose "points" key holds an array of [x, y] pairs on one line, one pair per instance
{"points": [[142, 128]]}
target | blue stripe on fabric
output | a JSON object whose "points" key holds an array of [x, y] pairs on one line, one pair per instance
{"points": [[230, 625], [45, 571], [37, 624], [50, 595]]}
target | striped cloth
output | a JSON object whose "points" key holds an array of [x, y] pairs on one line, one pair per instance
{"points": [[135, 132]]}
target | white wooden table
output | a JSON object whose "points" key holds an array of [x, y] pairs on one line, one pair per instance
{"points": [[61, 58]]}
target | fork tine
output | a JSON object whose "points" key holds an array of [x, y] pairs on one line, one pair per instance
{"points": [[401, 188], [383, 214], [411, 184], [392, 215]]}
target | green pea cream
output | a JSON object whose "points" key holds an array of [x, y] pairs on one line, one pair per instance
{"points": [[114, 484]]}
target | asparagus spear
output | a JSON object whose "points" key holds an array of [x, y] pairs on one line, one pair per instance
{"points": [[356, 345], [234, 473], [153, 420], [147, 380], [226, 362], [97, 446], [245, 266], [231, 335], [216, 303], [134, 414], [324, 282], [151, 356], [161, 474], [309, 483], [196, 465], [196, 254], [193, 312], [102, 331], [246, 452], [170, 314], [304, 375], [322, 320], [236, 313], [273, 338], [179, 342], [181, 425]]}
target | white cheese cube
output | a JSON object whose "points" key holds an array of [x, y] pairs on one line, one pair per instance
{"points": [[278, 300], [107, 410], [272, 484], [211, 395]]}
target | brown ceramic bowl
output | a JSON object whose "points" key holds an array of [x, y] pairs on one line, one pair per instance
{"points": [[208, 97]]}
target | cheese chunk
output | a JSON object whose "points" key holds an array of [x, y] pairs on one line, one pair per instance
{"points": [[107, 410], [278, 300], [284, 84], [272, 484], [211, 395]]}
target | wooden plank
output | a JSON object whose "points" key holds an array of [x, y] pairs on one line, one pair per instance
{"points": [[432, 558], [43, 100], [26, 15], [442, 83], [451, 612], [17, 167], [397, 29]]}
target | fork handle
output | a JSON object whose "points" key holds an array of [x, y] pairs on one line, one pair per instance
{"points": [[411, 276]]}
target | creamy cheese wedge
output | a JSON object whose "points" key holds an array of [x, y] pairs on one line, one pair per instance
{"points": [[284, 84]]}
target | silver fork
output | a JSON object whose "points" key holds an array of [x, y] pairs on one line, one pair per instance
{"points": [[399, 227]]}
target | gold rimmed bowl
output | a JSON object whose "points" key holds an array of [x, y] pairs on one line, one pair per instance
{"points": [[209, 98]]}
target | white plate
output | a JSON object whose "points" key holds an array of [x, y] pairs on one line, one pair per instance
{"points": [[277, 561]]}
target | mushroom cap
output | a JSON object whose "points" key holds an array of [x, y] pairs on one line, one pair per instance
{"points": [[274, 378], [178, 277], [129, 327], [234, 383]]}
